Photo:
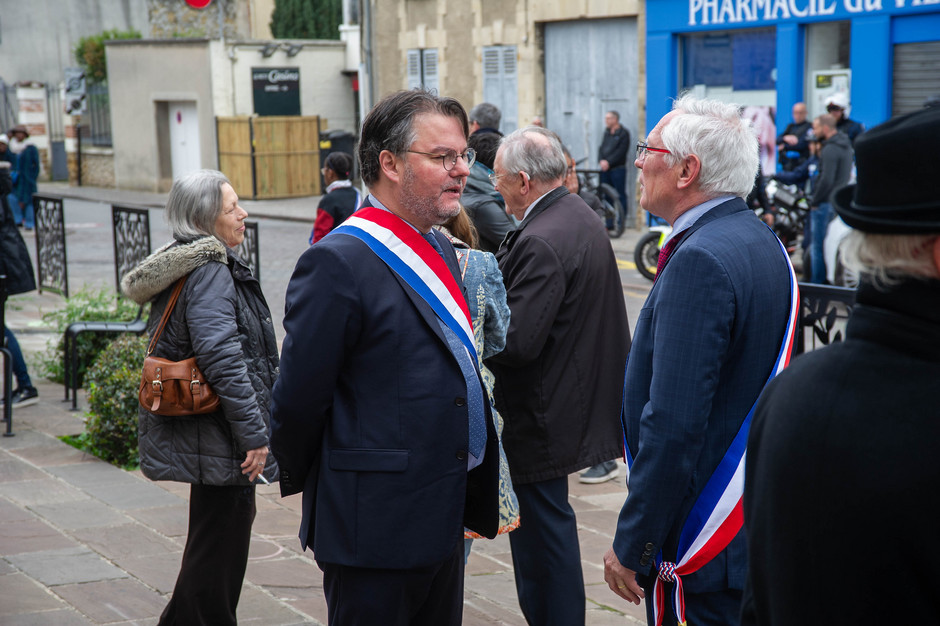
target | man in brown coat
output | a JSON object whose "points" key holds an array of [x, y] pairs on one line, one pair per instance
{"points": [[558, 378]]}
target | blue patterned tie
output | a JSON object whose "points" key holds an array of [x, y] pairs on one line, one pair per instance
{"points": [[475, 408]]}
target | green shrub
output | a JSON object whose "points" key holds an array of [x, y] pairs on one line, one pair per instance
{"points": [[111, 420], [85, 305], [89, 53]]}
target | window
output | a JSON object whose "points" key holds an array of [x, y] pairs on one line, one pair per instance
{"points": [[422, 69], [743, 60], [500, 86]]}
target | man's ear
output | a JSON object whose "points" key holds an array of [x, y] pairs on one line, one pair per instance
{"points": [[689, 171], [391, 166]]}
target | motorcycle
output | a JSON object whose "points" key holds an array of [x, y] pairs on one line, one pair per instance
{"points": [[646, 253]]}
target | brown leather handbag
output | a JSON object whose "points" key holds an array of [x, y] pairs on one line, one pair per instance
{"points": [[174, 388]]}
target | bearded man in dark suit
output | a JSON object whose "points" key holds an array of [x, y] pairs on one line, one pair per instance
{"points": [[379, 414]]}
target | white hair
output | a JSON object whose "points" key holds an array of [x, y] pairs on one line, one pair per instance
{"points": [[889, 259], [194, 204], [543, 160], [724, 142]]}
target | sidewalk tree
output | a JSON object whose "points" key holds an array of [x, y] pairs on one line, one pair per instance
{"points": [[306, 19], [89, 53]]}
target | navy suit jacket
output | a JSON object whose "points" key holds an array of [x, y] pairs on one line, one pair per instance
{"points": [[703, 347], [370, 416]]}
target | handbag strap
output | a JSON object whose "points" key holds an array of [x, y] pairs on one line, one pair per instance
{"points": [[166, 314]]}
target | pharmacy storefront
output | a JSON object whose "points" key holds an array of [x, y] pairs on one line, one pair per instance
{"points": [[769, 54]]}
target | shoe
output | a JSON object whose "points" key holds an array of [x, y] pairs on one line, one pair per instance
{"points": [[600, 473], [24, 396]]}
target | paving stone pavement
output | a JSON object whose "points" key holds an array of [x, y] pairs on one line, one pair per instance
{"points": [[84, 542]]}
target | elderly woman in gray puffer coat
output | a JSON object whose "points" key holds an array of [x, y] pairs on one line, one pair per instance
{"points": [[222, 319]]}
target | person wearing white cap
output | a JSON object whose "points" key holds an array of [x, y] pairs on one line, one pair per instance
{"points": [[837, 105]]}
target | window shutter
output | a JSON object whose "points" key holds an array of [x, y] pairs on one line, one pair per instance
{"points": [[414, 69], [430, 70]]}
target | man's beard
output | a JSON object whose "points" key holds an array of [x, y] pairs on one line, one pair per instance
{"points": [[426, 208]]}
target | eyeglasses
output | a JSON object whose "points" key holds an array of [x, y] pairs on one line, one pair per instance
{"points": [[449, 158], [833, 107], [642, 149], [494, 176]]}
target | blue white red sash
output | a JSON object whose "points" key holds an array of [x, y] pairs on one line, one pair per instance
{"points": [[413, 259], [717, 516]]}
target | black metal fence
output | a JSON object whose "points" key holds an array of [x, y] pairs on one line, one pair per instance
{"points": [[824, 311], [51, 260], [96, 122], [131, 229], [248, 250]]}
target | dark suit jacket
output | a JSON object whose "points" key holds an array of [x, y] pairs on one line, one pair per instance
{"points": [[558, 378], [703, 347], [841, 471], [370, 416]]}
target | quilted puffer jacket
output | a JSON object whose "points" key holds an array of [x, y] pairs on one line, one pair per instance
{"points": [[222, 319]]}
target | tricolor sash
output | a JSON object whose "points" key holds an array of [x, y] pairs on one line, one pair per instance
{"points": [[717, 515], [413, 259]]}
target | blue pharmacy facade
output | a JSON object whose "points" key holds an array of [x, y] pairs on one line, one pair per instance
{"points": [[771, 54]]}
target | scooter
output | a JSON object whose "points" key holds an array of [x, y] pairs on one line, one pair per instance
{"points": [[646, 253]]}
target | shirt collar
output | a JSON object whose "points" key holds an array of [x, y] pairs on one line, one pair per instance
{"points": [[691, 216], [537, 200]]}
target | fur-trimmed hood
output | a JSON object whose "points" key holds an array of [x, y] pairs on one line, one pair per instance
{"points": [[167, 265]]}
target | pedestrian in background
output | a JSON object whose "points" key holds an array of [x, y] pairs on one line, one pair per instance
{"points": [[555, 380], [222, 319], [485, 118], [340, 200], [16, 265], [380, 415], [840, 455], [837, 105], [483, 204], [25, 176], [713, 330], [795, 139], [612, 155], [834, 170]]}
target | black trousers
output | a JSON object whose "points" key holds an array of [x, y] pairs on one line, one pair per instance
{"points": [[215, 557], [424, 596], [546, 556]]}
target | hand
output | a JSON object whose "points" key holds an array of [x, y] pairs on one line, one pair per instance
{"points": [[621, 580], [254, 462], [604, 165], [791, 139]]}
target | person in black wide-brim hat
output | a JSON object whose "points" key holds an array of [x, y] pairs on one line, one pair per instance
{"points": [[841, 444]]}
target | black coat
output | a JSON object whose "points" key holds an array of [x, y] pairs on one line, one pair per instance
{"points": [[14, 257], [841, 478], [222, 319], [557, 384]]}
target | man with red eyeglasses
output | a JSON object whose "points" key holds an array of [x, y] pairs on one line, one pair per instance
{"points": [[706, 342]]}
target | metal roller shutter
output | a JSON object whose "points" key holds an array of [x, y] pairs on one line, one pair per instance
{"points": [[916, 75]]}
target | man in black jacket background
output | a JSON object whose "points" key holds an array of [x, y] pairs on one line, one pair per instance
{"points": [[612, 155]]}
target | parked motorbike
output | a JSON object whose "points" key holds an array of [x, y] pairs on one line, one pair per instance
{"points": [[646, 253]]}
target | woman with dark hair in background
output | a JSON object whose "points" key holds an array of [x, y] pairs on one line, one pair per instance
{"points": [[340, 200], [222, 319]]}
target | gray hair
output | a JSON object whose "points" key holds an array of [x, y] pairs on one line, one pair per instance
{"points": [[723, 141], [543, 160], [889, 259], [194, 204], [486, 115]]}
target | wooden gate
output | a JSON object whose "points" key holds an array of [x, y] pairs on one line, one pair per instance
{"points": [[271, 156]]}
